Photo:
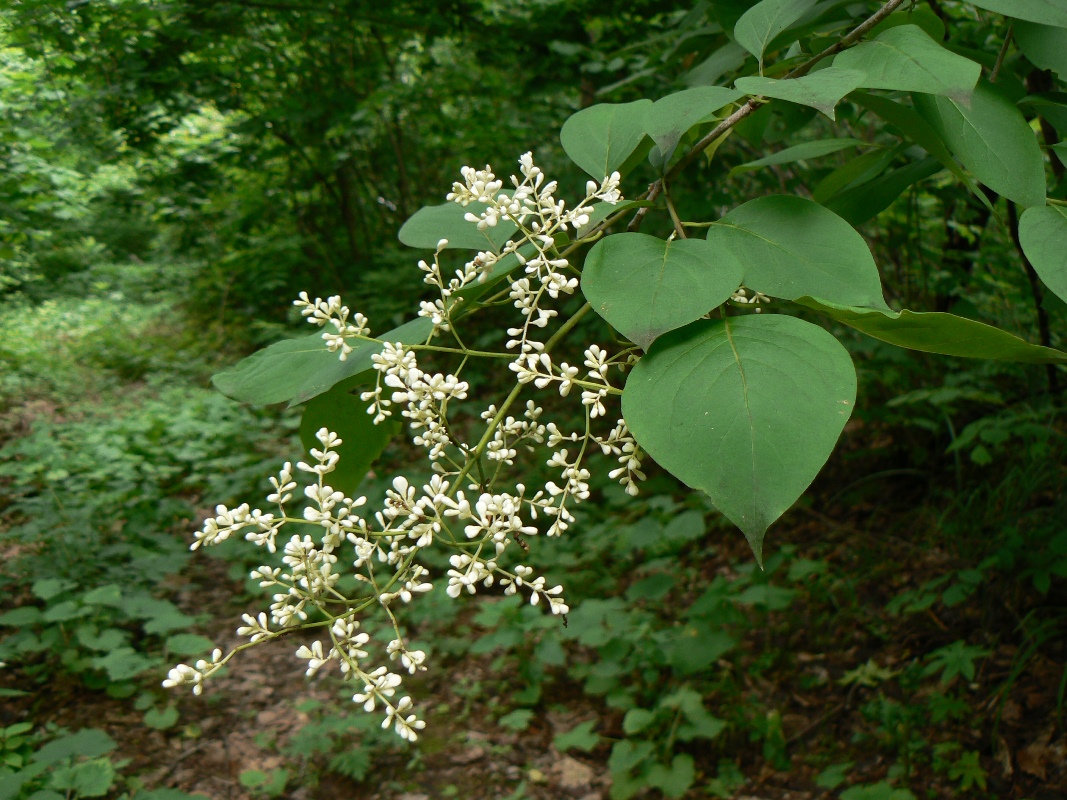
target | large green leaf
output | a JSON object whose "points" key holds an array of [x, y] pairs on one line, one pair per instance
{"points": [[429, 225], [341, 411], [1043, 235], [646, 286], [746, 409], [800, 152], [906, 59], [855, 172], [298, 369], [992, 139], [765, 20], [937, 332], [668, 119], [861, 203], [727, 58], [789, 245], [821, 90], [1044, 45], [1047, 12], [607, 137], [923, 16]]}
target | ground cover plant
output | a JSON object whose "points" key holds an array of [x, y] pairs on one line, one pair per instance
{"points": [[839, 246]]}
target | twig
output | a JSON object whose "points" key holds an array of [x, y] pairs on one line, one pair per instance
{"points": [[1000, 56]]}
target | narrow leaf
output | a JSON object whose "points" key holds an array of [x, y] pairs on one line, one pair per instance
{"points": [[1046, 12], [789, 245], [992, 139], [765, 20], [937, 332], [606, 137], [906, 59], [341, 411], [746, 409], [1043, 234], [800, 152], [645, 286], [821, 90], [864, 202], [296, 370]]}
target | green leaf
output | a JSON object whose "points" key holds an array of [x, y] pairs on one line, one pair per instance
{"points": [[297, 370], [727, 58], [645, 286], [855, 172], [517, 720], [834, 775], [607, 137], [676, 779], [937, 332], [88, 779], [581, 737], [697, 647], [922, 16], [992, 139], [765, 20], [668, 119], [821, 90], [88, 743], [864, 202], [906, 59], [341, 411], [1047, 12], [746, 409], [21, 617], [636, 720], [161, 718], [189, 644], [800, 152], [876, 791], [1043, 235], [429, 225], [790, 245], [1045, 46], [108, 595], [48, 588], [123, 663]]}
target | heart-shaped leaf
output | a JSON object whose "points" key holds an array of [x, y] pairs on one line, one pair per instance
{"points": [[341, 411], [296, 370], [788, 245], [765, 20], [607, 137], [992, 139], [429, 225], [1043, 235], [937, 332], [646, 286], [747, 409], [821, 90], [906, 59]]}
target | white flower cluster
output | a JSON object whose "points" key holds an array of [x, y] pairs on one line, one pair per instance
{"points": [[465, 506]]}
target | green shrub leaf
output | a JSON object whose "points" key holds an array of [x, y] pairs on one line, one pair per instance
{"points": [[607, 137], [765, 20], [746, 409], [938, 332], [645, 286], [821, 90], [1047, 12], [800, 152], [789, 245], [668, 119], [297, 370], [341, 410], [992, 139], [1043, 235], [906, 59], [1045, 46], [429, 225]]}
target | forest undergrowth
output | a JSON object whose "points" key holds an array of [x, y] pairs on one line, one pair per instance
{"points": [[905, 639]]}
